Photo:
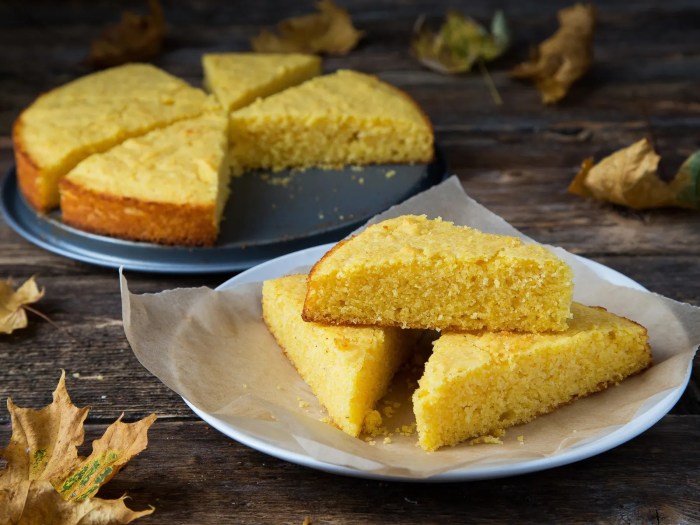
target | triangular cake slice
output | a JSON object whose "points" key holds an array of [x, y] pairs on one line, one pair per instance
{"points": [[92, 114], [338, 119], [348, 368], [237, 79], [479, 384], [419, 273], [168, 186]]}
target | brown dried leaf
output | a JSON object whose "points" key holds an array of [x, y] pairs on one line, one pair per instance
{"points": [[564, 57], [135, 38], [328, 31], [628, 177], [12, 303], [45, 477]]}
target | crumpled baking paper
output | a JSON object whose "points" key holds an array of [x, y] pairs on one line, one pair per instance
{"points": [[212, 348]]}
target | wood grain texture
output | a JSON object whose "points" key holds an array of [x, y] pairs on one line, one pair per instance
{"points": [[204, 477], [517, 159]]}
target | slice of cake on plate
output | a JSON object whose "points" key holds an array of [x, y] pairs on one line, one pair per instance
{"points": [[168, 186], [92, 114], [237, 79], [348, 368], [414, 272], [332, 120], [478, 384]]}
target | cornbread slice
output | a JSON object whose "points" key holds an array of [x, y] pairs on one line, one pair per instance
{"points": [[168, 186], [92, 114], [349, 369], [419, 273], [338, 119], [477, 384], [237, 79]]}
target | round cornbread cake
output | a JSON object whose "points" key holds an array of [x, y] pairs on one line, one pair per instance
{"points": [[92, 114], [116, 133]]}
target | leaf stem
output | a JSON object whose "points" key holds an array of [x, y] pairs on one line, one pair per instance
{"points": [[493, 90]]}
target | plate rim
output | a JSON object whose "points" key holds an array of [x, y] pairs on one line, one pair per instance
{"points": [[652, 414]]}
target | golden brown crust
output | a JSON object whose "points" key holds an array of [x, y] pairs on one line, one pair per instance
{"points": [[28, 173], [129, 218], [306, 314]]}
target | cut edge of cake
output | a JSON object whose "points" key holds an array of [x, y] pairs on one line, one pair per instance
{"points": [[433, 408], [313, 312], [148, 220], [356, 412], [246, 130]]}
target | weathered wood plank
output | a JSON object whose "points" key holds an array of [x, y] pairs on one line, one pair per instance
{"points": [[193, 474]]}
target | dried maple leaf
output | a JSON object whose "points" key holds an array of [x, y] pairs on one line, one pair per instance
{"points": [[135, 38], [460, 42], [45, 481], [629, 177], [564, 57], [328, 31], [13, 304]]}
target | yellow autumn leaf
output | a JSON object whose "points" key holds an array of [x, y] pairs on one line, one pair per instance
{"points": [[564, 57], [627, 177], [45, 476], [13, 303], [134, 39], [328, 31], [459, 43]]}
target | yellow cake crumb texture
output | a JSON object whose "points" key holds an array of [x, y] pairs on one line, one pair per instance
{"points": [[420, 273], [95, 112], [347, 368], [184, 163], [480, 383], [237, 79], [338, 119]]}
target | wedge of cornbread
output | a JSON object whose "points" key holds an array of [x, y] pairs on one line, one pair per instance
{"points": [[92, 114], [343, 118], [348, 368], [414, 272], [237, 79], [478, 384], [168, 186]]}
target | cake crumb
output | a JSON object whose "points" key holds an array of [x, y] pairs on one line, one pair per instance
{"points": [[357, 168], [489, 439], [387, 440], [373, 423], [76, 375], [390, 174], [361, 181], [320, 215], [521, 439], [279, 387], [388, 411], [302, 403]]}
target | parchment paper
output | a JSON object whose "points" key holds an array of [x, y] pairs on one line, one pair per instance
{"points": [[212, 348]]}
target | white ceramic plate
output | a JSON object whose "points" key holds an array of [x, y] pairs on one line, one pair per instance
{"points": [[651, 412]]}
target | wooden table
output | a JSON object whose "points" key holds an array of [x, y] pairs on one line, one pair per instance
{"points": [[516, 159]]}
